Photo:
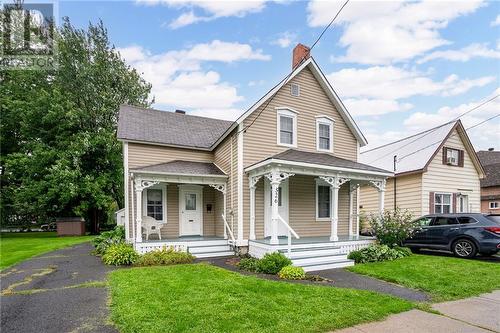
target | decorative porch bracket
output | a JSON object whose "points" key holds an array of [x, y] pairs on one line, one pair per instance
{"points": [[335, 183], [140, 185], [219, 187], [380, 186], [276, 177], [252, 184]]}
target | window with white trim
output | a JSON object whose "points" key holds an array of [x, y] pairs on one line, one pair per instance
{"points": [[462, 203], [323, 200], [494, 205], [442, 203], [287, 128], [452, 156], [324, 134], [154, 200]]}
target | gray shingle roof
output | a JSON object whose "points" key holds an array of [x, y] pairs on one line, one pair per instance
{"points": [[183, 167], [491, 165], [323, 159], [488, 157], [149, 125]]}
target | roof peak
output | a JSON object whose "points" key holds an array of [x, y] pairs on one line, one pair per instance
{"points": [[411, 136]]}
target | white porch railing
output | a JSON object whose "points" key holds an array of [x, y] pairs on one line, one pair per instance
{"points": [[152, 246], [290, 233], [229, 231]]}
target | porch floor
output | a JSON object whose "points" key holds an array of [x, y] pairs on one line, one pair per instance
{"points": [[283, 240]]}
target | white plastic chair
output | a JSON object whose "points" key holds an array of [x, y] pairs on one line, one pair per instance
{"points": [[151, 226]]}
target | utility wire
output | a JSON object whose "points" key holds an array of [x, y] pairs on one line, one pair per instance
{"points": [[296, 66], [432, 144], [434, 129]]}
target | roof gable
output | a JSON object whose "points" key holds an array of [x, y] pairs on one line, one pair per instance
{"points": [[325, 85], [416, 152]]}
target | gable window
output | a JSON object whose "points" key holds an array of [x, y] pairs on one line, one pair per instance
{"points": [[323, 200], [494, 205], [324, 134], [287, 128], [295, 89], [154, 203], [453, 157], [442, 203]]}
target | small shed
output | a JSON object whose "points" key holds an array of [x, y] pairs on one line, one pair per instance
{"points": [[70, 226], [120, 217]]}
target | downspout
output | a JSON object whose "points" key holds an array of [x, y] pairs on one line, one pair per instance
{"points": [[395, 161]]}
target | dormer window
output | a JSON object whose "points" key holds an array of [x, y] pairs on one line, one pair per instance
{"points": [[324, 134], [287, 127]]}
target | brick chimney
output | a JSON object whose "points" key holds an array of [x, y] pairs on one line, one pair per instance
{"points": [[300, 54]]}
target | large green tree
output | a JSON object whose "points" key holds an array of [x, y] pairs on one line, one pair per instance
{"points": [[59, 152]]}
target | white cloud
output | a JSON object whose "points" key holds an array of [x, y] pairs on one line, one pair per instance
{"points": [[496, 22], [484, 136], [464, 54], [211, 9], [388, 32], [178, 79], [285, 39], [374, 107]]}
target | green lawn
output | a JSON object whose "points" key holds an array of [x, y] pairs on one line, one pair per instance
{"points": [[19, 246], [204, 298], [445, 278]]}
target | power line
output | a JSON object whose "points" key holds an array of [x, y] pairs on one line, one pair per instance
{"points": [[434, 129], [432, 144], [296, 66]]}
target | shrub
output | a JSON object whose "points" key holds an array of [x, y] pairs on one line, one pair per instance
{"points": [[393, 227], [165, 256], [377, 252], [120, 254], [292, 273], [272, 263], [249, 264], [108, 238]]}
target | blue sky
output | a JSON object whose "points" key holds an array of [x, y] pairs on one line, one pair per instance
{"points": [[399, 67]]}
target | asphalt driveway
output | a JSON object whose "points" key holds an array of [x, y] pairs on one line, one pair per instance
{"points": [[61, 291]]}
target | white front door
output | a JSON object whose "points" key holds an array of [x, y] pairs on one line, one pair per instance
{"points": [[282, 208], [190, 211]]}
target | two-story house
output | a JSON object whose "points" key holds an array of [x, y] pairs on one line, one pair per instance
{"points": [[436, 171], [283, 177]]}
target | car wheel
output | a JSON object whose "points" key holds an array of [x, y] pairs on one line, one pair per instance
{"points": [[415, 249], [464, 248]]}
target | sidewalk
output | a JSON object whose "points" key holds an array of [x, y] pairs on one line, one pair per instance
{"points": [[471, 315]]}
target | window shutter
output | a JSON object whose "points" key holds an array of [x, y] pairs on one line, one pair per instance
{"points": [[431, 202], [454, 203], [444, 155], [461, 158]]}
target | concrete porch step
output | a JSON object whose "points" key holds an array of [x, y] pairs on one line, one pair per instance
{"points": [[209, 248], [328, 265], [214, 254], [319, 259]]}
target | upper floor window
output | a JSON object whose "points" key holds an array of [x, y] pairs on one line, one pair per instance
{"points": [[494, 205], [294, 89], [452, 156], [287, 128], [324, 134]]}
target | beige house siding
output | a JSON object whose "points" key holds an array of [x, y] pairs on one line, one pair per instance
{"points": [[140, 155], [451, 179], [260, 141], [408, 196]]}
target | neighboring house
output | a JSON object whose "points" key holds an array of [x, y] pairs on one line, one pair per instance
{"points": [[490, 185], [437, 171], [287, 168]]}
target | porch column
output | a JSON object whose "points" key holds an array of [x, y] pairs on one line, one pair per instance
{"points": [[275, 177], [380, 186], [335, 183], [140, 185], [252, 183], [357, 211], [351, 204], [222, 189]]}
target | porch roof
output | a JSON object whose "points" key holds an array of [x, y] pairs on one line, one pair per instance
{"points": [[318, 160], [180, 167]]}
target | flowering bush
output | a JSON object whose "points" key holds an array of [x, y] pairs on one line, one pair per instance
{"points": [[393, 226]]}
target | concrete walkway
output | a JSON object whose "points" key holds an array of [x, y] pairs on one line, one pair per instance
{"points": [[61, 291], [471, 315]]}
